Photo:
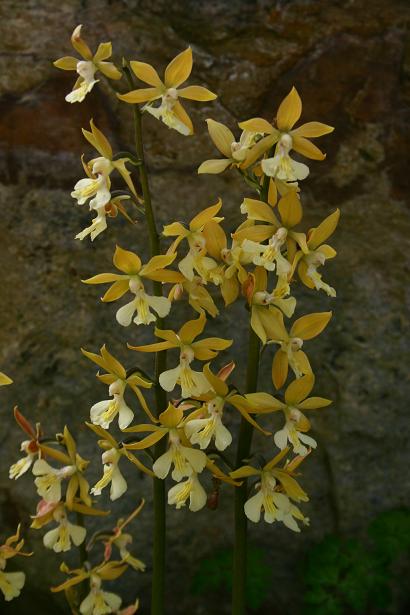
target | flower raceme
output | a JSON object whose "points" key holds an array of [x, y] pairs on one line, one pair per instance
{"points": [[170, 109], [88, 66], [192, 383], [131, 280]]}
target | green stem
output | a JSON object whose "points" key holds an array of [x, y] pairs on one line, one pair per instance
{"points": [[243, 451], [158, 574]]}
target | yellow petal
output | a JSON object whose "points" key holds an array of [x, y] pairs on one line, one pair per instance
{"points": [[256, 324], [179, 69], [258, 210], [280, 368], [302, 272], [230, 290], [307, 148], [291, 486], [273, 193], [217, 384], [244, 472], [146, 72], [174, 229], [255, 152], [312, 403], [109, 70], [311, 325], [140, 96], [98, 140], [80, 45], [126, 261], [182, 115], [221, 136], [157, 262], [214, 166], [4, 380], [66, 63], [324, 230], [257, 124], [146, 442], [191, 329], [157, 347], [125, 174], [196, 92], [312, 129], [103, 52], [116, 291], [215, 239], [290, 209], [299, 389], [273, 462], [171, 417], [273, 324], [289, 111], [205, 216], [258, 233], [112, 364], [263, 403]]}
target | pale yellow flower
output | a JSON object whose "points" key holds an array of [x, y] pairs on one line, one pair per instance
{"points": [[170, 110], [87, 67]]}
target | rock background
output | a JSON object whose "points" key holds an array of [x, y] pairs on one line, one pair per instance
{"points": [[350, 62]]}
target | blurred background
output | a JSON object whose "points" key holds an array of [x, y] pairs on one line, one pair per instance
{"points": [[349, 60]]}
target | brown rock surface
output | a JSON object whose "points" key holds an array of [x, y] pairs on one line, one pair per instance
{"points": [[350, 62]]}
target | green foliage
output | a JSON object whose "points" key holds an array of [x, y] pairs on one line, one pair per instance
{"points": [[215, 574], [348, 576]]}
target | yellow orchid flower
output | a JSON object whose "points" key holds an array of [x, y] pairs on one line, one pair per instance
{"points": [[4, 380], [60, 538], [106, 163], [190, 488], [192, 383], [11, 583], [296, 425], [121, 540], [277, 232], [170, 110], [185, 459], [290, 353], [316, 254], [263, 303], [49, 479], [195, 234], [30, 447], [97, 601], [198, 297], [282, 166], [236, 154], [276, 489], [131, 280], [205, 424], [117, 379], [87, 67]]}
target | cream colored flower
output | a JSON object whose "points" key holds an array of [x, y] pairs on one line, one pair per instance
{"points": [[122, 542], [290, 433], [97, 189], [190, 488], [104, 412], [87, 67], [270, 256], [282, 166], [112, 475], [193, 383], [99, 602], [49, 479], [59, 539], [201, 431], [186, 460], [276, 506], [22, 465], [142, 304], [11, 583]]}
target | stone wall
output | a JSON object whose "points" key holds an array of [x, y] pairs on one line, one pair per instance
{"points": [[349, 59]]}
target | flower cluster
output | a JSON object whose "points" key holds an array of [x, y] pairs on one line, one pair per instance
{"points": [[186, 433]]}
